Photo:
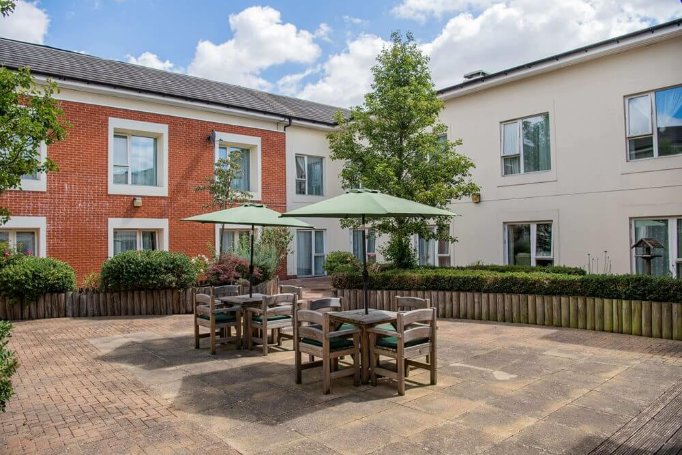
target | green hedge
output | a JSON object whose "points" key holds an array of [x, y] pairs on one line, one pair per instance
{"points": [[341, 262], [140, 270], [560, 269], [634, 287], [27, 277]]}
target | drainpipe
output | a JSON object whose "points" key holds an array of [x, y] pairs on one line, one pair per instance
{"points": [[288, 124]]}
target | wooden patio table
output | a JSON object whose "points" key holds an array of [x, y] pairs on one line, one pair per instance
{"points": [[364, 321], [244, 301]]}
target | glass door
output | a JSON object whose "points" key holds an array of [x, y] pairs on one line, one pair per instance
{"points": [[310, 253]]}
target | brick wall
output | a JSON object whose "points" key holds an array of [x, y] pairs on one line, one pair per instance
{"points": [[77, 205]]}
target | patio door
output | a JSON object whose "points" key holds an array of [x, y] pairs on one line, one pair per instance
{"points": [[309, 252]]}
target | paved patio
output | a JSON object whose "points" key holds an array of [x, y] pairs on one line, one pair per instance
{"points": [[136, 385]]}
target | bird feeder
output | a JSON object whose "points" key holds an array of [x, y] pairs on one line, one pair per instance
{"points": [[645, 248]]}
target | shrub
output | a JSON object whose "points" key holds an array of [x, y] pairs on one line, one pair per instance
{"points": [[229, 269], [8, 365], [265, 259], [341, 262], [27, 277], [635, 287], [93, 281], [560, 269], [138, 270]]}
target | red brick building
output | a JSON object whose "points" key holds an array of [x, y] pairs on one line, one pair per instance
{"points": [[141, 140]]}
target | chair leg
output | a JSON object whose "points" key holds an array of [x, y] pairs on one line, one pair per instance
{"points": [[311, 358], [407, 369], [326, 374], [335, 364], [249, 330], [196, 334], [265, 339], [400, 367], [373, 361], [433, 369], [297, 357], [356, 368], [279, 337], [238, 332], [212, 336]]}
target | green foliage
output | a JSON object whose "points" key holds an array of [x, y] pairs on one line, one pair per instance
{"points": [[341, 262], [395, 143], [92, 280], [8, 365], [220, 185], [230, 269], [139, 270], [29, 116], [265, 257], [279, 239], [561, 269], [635, 287], [399, 251], [27, 277], [7, 7]]}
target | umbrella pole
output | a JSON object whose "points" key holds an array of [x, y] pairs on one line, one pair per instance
{"points": [[251, 264], [365, 273]]}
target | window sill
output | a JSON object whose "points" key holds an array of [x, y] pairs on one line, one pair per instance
{"points": [[33, 185], [660, 163], [528, 178], [138, 190], [307, 198]]}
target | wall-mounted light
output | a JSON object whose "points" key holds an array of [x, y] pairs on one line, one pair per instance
{"points": [[211, 137], [476, 198], [137, 202]]}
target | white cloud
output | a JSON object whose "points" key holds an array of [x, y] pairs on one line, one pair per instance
{"points": [[27, 23], [354, 20], [511, 33], [346, 76], [323, 32], [260, 41], [421, 10], [153, 61]]}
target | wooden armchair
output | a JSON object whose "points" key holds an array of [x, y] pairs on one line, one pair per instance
{"points": [[415, 337], [313, 335], [274, 314], [227, 290], [219, 320], [325, 305], [289, 289], [412, 303]]}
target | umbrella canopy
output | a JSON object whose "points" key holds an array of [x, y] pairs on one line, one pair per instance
{"points": [[360, 203], [249, 214], [363, 203]]}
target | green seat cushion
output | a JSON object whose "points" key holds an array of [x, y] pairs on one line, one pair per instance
{"points": [[277, 317], [387, 327], [220, 317], [392, 342], [335, 343]]}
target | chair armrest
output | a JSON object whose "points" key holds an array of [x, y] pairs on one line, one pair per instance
{"points": [[384, 332], [285, 310], [342, 333], [232, 309], [255, 310]]}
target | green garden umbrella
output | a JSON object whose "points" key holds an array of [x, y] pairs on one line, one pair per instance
{"points": [[364, 204], [248, 214]]}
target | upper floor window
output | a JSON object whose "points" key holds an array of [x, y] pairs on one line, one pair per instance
{"points": [[242, 179], [24, 241], [668, 231], [138, 158], [529, 244], [309, 179], [525, 145], [654, 124]]}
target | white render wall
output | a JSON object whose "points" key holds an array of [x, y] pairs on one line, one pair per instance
{"points": [[592, 191]]}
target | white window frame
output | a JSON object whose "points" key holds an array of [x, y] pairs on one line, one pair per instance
{"points": [[519, 151], [371, 256], [37, 224], [296, 179], [440, 255], [312, 250], [139, 224], [653, 128], [672, 242], [40, 183], [533, 241], [148, 129], [253, 143], [241, 229]]}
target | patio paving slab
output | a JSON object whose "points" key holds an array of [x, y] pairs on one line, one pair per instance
{"points": [[136, 385]]}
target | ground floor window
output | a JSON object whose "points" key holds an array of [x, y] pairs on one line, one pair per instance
{"points": [[433, 252], [231, 239], [310, 252], [370, 244], [668, 231], [135, 240], [24, 241], [529, 244]]}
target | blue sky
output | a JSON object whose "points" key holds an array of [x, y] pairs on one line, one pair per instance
{"points": [[322, 50]]}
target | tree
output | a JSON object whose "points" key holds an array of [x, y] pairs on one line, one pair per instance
{"points": [[221, 185], [395, 143], [7, 7], [29, 117]]}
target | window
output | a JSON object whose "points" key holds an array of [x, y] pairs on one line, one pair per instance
{"points": [[309, 178], [231, 239], [136, 240], [137, 234], [433, 252], [310, 253], [668, 231], [525, 145], [27, 234], [529, 244], [138, 158], [242, 180], [370, 244], [23, 241], [38, 180], [444, 253], [654, 124], [249, 149]]}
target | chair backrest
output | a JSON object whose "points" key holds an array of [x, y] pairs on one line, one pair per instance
{"points": [[203, 300], [417, 324], [326, 304], [226, 290], [412, 303], [311, 324], [289, 289], [285, 301]]}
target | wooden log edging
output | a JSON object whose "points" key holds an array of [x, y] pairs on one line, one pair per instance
{"points": [[636, 317], [92, 303]]}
